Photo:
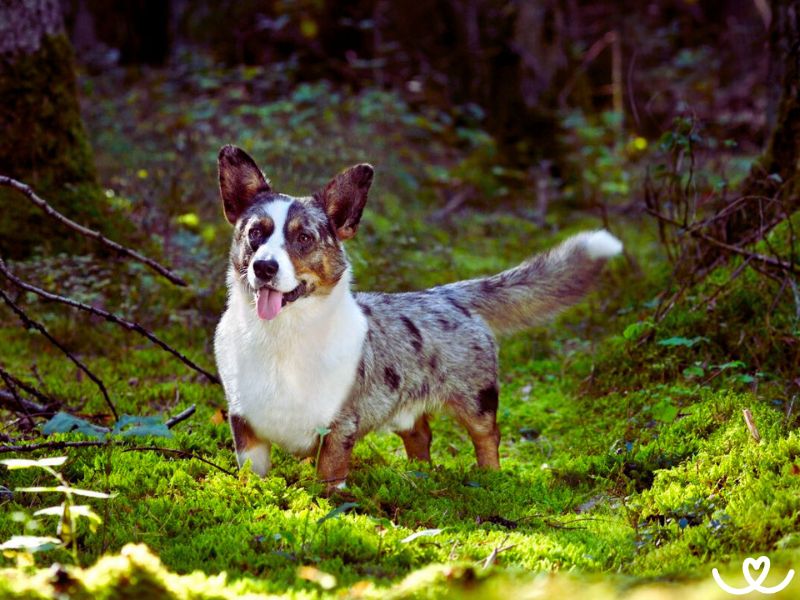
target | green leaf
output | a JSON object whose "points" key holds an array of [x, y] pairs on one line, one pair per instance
{"points": [[341, 509], [664, 411], [24, 463], [67, 490], [64, 423], [682, 341], [734, 364], [31, 543], [80, 510], [419, 534], [693, 371], [635, 330]]}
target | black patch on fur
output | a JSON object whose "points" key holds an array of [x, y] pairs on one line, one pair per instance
{"points": [[424, 390], [446, 324], [362, 370], [489, 286], [488, 400], [460, 307], [416, 336], [391, 378], [365, 309], [433, 362]]}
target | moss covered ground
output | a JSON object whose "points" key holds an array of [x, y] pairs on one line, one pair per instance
{"points": [[627, 466]]}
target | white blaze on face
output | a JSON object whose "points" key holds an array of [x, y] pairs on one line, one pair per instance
{"points": [[269, 301]]}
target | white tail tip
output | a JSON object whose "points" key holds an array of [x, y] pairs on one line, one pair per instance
{"points": [[601, 244]]}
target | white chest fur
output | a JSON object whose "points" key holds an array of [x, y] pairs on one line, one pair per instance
{"points": [[290, 376]]}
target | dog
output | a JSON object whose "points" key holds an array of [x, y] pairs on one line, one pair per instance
{"points": [[312, 366]]}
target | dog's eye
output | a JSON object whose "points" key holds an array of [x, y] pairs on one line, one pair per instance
{"points": [[256, 235], [304, 239]]}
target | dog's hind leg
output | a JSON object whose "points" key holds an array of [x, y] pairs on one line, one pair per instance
{"points": [[249, 447], [417, 440], [479, 416]]}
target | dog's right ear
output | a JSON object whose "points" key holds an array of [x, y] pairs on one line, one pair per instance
{"points": [[240, 180]]}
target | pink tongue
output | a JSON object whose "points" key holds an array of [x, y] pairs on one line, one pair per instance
{"points": [[268, 303]]}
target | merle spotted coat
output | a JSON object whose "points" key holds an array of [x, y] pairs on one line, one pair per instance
{"points": [[299, 353]]}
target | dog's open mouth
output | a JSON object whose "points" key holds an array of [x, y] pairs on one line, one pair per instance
{"points": [[269, 302]]}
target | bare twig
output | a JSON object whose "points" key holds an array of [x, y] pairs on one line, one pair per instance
{"points": [[492, 558], [181, 454], [99, 443], [31, 324], [16, 398], [27, 388], [15, 403], [130, 325], [181, 416], [90, 233]]}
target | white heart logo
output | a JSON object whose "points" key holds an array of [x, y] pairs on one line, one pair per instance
{"points": [[762, 562], [757, 564]]}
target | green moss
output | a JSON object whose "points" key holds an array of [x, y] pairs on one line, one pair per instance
{"points": [[44, 145]]}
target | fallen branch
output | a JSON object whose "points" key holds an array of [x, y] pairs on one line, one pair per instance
{"points": [[90, 233], [181, 416], [130, 325], [31, 324], [28, 388], [29, 409]]}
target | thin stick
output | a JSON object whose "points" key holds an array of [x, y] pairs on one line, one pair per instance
{"points": [[181, 454], [29, 409], [492, 558], [31, 324], [181, 416], [90, 233], [27, 388], [97, 443], [116, 319]]}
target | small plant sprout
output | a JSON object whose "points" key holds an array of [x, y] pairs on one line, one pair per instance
{"points": [[67, 512]]}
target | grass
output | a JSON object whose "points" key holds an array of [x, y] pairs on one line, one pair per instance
{"points": [[623, 473]]}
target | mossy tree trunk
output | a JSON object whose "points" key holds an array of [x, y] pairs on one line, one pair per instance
{"points": [[43, 141]]}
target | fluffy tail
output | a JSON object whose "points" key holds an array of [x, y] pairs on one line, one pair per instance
{"points": [[540, 287]]}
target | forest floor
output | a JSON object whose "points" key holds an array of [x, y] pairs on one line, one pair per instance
{"points": [[627, 468]]}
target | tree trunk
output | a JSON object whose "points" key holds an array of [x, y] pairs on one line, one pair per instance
{"points": [[43, 140], [772, 188]]}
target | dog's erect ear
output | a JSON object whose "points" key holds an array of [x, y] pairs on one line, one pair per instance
{"points": [[240, 180], [344, 198]]}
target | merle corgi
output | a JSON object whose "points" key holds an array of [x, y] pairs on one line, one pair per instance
{"points": [[306, 361]]}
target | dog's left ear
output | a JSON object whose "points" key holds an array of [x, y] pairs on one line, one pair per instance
{"points": [[344, 198]]}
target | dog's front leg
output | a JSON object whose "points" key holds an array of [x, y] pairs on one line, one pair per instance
{"points": [[249, 447], [334, 456]]}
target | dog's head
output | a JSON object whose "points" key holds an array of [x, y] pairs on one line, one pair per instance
{"points": [[286, 248]]}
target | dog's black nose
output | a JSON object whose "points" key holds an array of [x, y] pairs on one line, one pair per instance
{"points": [[265, 269]]}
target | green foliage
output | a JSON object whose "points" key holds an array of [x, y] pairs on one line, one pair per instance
{"points": [[21, 547]]}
